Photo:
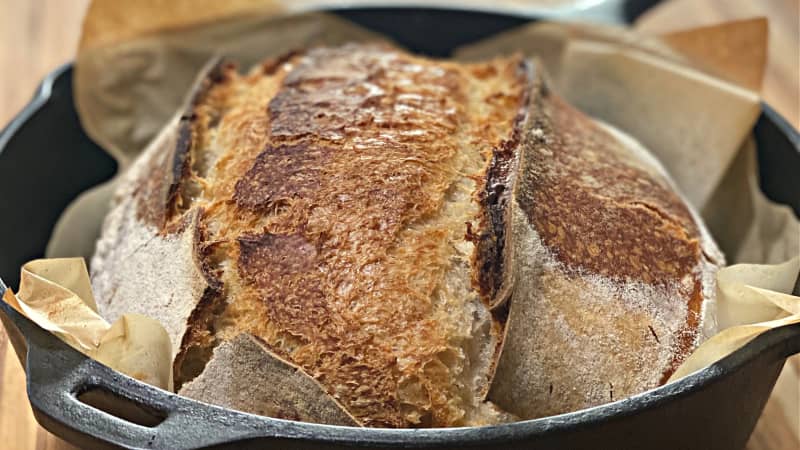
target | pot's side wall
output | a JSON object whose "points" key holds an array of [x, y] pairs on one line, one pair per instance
{"points": [[719, 417]]}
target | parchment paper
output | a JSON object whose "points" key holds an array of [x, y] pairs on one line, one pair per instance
{"points": [[56, 294], [129, 81], [126, 90]]}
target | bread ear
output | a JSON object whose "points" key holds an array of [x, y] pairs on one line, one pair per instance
{"points": [[610, 279], [139, 266], [243, 374], [146, 260]]}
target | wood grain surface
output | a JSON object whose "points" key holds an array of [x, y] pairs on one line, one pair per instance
{"points": [[37, 36]]}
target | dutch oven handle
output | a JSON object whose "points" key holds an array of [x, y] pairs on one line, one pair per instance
{"points": [[93, 406]]}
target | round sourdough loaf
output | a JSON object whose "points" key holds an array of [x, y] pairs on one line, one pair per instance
{"points": [[360, 236]]}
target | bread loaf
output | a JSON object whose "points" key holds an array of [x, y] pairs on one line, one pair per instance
{"points": [[428, 243]]}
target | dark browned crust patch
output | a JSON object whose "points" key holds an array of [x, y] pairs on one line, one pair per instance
{"points": [[180, 165], [280, 174], [291, 262], [215, 72]]}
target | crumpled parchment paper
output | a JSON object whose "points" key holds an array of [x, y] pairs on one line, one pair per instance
{"points": [[56, 294]]}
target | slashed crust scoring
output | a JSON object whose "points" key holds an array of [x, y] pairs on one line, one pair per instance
{"points": [[376, 219], [333, 189], [612, 271]]}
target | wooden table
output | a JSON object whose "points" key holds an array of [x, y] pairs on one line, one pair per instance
{"points": [[38, 35]]}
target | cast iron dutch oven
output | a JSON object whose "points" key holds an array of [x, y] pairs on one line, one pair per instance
{"points": [[47, 160]]}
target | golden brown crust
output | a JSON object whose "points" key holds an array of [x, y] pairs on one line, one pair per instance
{"points": [[609, 273], [340, 199], [353, 208], [290, 262], [580, 182]]}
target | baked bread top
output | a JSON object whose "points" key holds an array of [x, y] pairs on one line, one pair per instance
{"points": [[397, 229]]}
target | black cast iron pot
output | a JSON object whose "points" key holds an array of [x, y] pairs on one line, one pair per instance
{"points": [[46, 160]]}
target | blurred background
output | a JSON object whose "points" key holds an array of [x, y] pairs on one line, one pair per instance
{"points": [[36, 36]]}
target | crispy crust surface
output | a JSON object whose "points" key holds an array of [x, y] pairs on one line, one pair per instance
{"points": [[333, 190], [366, 214], [610, 270], [581, 180]]}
